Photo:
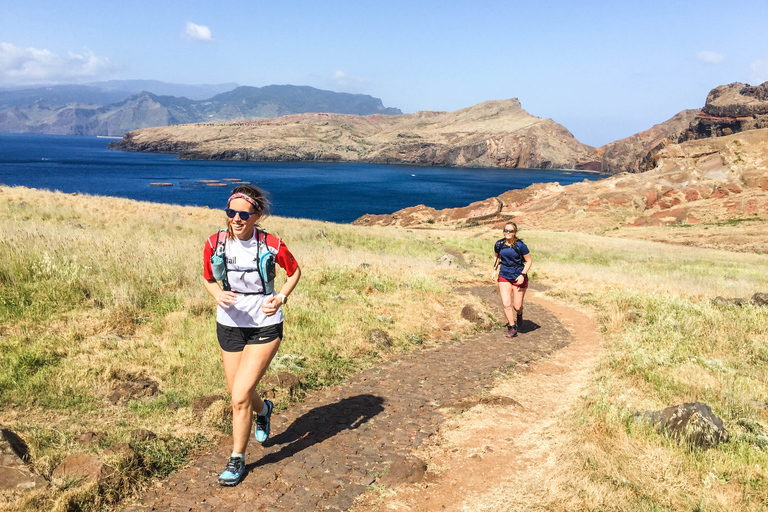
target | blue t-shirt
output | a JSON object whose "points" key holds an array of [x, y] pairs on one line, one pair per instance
{"points": [[512, 262]]}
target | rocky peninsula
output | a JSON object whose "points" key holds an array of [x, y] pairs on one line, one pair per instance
{"points": [[492, 134]]}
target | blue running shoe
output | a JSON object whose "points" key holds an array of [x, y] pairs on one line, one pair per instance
{"points": [[261, 431], [233, 472]]}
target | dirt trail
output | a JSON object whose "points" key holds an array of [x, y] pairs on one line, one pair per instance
{"points": [[472, 459], [328, 450]]}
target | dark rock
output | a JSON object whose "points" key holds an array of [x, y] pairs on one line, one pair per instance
{"points": [[15, 475], [471, 314], [760, 299], [126, 390], [381, 338], [478, 318], [283, 380], [504, 401], [202, 403], [722, 301], [82, 466], [404, 470], [89, 438], [692, 422]]}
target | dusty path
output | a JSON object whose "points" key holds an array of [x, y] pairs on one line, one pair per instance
{"points": [[482, 459], [325, 452]]}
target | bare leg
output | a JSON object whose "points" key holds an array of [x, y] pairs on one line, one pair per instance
{"points": [[517, 300], [243, 371], [505, 291]]}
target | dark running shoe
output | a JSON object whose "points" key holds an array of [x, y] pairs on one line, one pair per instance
{"points": [[511, 331], [261, 431], [234, 471]]}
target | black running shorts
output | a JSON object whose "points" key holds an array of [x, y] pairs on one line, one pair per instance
{"points": [[234, 339]]}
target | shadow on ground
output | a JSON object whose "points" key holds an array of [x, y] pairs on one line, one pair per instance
{"points": [[321, 423]]}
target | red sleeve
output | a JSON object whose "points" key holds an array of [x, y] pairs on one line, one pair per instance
{"points": [[283, 257], [207, 253]]}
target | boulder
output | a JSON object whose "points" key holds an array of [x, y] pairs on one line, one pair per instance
{"points": [[15, 475], [760, 299], [692, 423], [283, 380], [84, 467]]}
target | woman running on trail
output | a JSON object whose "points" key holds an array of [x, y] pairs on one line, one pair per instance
{"points": [[515, 259], [249, 321]]}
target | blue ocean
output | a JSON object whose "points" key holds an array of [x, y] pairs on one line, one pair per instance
{"points": [[336, 192]]}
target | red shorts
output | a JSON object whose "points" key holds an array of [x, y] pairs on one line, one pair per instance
{"points": [[519, 286]]}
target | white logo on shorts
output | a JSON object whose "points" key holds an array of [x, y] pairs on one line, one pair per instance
{"points": [[264, 338]]}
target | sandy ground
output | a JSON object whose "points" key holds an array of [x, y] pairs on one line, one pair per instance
{"points": [[487, 447]]}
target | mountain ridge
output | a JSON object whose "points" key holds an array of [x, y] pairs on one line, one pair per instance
{"points": [[67, 110]]}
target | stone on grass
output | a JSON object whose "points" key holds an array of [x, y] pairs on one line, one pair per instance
{"points": [[83, 467], [283, 380], [722, 301], [404, 470], [381, 338], [692, 423], [760, 299], [125, 391], [15, 475], [202, 403], [89, 438]]}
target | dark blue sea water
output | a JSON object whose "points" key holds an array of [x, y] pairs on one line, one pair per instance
{"points": [[337, 192]]}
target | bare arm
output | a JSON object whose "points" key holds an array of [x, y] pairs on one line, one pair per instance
{"points": [[526, 267], [223, 298], [270, 306]]}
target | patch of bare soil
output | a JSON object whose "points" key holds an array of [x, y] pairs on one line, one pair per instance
{"points": [[506, 435]]}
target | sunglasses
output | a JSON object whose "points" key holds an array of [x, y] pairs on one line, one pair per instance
{"points": [[243, 215], [506, 230]]}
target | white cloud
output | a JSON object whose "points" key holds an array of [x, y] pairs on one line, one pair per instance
{"points": [[759, 71], [342, 80], [708, 57], [22, 66], [198, 32]]}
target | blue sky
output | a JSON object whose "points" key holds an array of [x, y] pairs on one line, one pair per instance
{"points": [[605, 70]]}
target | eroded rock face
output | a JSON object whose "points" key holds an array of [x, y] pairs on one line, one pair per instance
{"points": [[729, 109], [692, 182]]}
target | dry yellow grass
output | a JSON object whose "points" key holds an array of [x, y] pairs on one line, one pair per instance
{"points": [[100, 291]]}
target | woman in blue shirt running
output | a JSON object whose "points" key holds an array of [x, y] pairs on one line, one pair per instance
{"points": [[511, 265]]}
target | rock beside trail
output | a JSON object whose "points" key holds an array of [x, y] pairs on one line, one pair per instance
{"points": [[404, 470], [692, 422], [15, 475], [84, 467]]}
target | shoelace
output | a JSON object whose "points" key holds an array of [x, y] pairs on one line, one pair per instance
{"points": [[233, 466]]}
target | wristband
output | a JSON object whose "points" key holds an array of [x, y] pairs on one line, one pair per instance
{"points": [[283, 296]]}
